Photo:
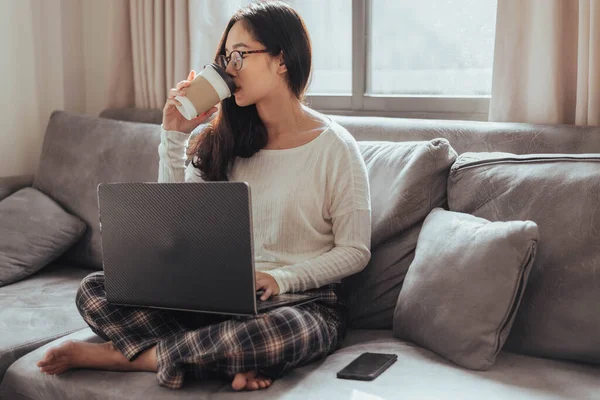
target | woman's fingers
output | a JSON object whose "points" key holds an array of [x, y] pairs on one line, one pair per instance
{"points": [[208, 112], [173, 102], [175, 92], [261, 284], [182, 84], [266, 294]]}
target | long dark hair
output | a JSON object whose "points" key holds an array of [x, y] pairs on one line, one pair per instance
{"points": [[238, 131]]}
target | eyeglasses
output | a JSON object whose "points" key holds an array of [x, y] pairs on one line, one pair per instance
{"points": [[236, 57]]}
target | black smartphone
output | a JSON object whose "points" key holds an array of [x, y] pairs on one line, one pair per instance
{"points": [[367, 366]]}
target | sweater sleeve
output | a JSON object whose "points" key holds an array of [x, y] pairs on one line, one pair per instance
{"points": [[172, 158], [350, 212], [351, 253]]}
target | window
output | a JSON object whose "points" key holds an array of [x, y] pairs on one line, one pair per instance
{"points": [[429, 59], [438, 48], [329, 24], [403, 58]]}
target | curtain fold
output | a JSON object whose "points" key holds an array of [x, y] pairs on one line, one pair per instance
{"points": [[547, 62], [149, 51], [588, 70]]}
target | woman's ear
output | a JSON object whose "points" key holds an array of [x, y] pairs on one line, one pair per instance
{"points": [[282, 68]]}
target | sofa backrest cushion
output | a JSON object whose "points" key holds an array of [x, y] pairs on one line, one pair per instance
{"points": [[81, 151], [147, 115], [464, 136], [478, 136], [557, 317], [407, 180]]}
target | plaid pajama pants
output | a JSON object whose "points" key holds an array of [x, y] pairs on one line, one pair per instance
{"points": [[213, 346]]}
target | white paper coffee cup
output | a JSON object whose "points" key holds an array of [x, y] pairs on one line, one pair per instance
{"points": [[209, 87]]}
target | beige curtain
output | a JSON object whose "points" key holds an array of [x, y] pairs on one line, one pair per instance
{"points": [[149, 51], [42, 69], [547, 62]]}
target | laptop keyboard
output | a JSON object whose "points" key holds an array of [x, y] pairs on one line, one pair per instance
{"points": [[279, 299]]}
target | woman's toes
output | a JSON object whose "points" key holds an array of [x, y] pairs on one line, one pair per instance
{"points": [[55, 369], [50, 371], [46, 358], [250, 381], [57, 357], [239, 381], [259, 382]]}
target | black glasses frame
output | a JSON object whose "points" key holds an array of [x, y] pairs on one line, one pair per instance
{"points": [[241, 53]]}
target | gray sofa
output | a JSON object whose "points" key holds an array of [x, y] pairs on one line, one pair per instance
{"points": [[81, 151]]}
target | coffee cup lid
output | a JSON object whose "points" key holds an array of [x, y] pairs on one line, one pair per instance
{"points": [[226, 78]]}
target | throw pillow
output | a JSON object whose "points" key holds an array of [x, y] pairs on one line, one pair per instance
{"points": [[462, 291], [407, 180], [34, 230]]}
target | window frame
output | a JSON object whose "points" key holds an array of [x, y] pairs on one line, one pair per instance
{"points": [[404, 106]]}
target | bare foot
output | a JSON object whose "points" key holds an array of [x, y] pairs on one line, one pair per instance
{"points": [[250, 380], [80, 354]]}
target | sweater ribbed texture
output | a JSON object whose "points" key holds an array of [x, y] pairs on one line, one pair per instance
{"points": [[311, 208]]}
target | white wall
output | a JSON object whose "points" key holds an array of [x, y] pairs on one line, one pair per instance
{"points": [[53, 57]]}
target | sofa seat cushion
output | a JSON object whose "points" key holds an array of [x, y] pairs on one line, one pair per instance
{"points": [[38, 310], [418, 373]]}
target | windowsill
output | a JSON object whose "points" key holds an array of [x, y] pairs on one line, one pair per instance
{"points": [[471, 108], [405, 114]]}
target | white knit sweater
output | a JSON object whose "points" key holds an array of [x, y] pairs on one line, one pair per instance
{"points": [[311, 207]]}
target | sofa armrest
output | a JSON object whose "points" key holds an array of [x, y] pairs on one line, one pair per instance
{"points": [[11, 184]]}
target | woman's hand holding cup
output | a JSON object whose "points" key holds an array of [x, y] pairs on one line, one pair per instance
{"points": [[172, 118]]}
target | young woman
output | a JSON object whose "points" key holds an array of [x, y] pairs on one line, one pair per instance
{"points": [[311, 219]]}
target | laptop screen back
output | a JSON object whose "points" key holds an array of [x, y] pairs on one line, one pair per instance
{"points": [[178, 245]]}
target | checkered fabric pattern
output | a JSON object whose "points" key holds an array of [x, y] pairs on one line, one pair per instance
{"points": [[208, 346]]}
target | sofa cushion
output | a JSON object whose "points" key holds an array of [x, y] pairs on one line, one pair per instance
{"points": [[463, 288], [38, 310], [10, 184], [34, 231], [561, 194], [147, 115], [512, 137], [81, 151], [418, 374], [407, 180]]}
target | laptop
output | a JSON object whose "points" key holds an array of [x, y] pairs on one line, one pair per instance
{"points": [[182, 246]]}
